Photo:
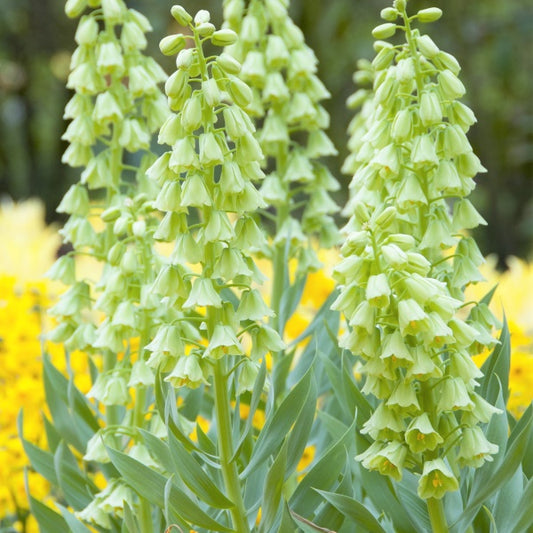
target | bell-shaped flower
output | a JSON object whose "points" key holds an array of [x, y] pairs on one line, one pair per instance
{"points": [[404, 398], [384, 424], [264, 340], [119, 494], [475, 449], [218, 228], [252, 306], [109, 58], [186, 250], [430, 111], [203, 294], [465, 216], [453, 395], [275, 90], [423, 152], [96, 448], [421, 435], [125, 315], [412, 317], [93, 513], [187, 373], [436, 480], [394, 347], [141, 374], [248, 371], [210, 150], [167, 340], [223, 342], [231, 180], [424, 367], [378, 291], [183, 156], [231, 264], [194, 192], [388, 460]]}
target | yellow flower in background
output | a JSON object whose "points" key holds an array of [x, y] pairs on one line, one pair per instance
{"points": [[514, 296], [29, 246], [28, 250]]}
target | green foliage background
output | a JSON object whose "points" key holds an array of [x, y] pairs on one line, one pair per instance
{"points": [[491, 39]]}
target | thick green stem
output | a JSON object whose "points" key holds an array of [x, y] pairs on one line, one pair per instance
{"points": [[225, 444], [437, 516]]}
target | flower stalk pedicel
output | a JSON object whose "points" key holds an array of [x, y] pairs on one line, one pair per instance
{"points": [[407, 262]]}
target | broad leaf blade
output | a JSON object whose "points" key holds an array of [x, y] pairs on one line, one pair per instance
{"points": [[354, 511]]}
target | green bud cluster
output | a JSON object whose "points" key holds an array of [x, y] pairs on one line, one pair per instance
{"points": [[286, 96], [407, 260], [208, 196]]}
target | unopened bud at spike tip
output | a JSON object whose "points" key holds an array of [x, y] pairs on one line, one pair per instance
{"points": [[431, 14], [180, 15]]}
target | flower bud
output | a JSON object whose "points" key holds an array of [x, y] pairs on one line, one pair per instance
{"points": [[389, 14], [202, 17], [211, 92], [240, 92], [386, 218], [74, 8], [113, 10], [402, 125], [427, 46], [172, 44], [383, 31], [176, 83], [205, 29], [429, 15], [87, 31], [191, 115], [224, 37], [447, 61], [184, 58], [180, 15], [450, 85], [129, 263], [228, 63]]}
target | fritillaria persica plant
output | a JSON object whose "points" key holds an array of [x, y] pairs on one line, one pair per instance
{"points": [[200, 417]]}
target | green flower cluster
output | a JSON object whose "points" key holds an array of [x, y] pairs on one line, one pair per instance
{"points": [[116, 108], [208, 197], [281, 69], [406, 262]]}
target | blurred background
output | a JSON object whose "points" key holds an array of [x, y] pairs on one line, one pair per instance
{"points": [[491, 39]]}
